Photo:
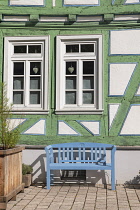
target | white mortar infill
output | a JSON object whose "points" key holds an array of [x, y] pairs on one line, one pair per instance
{"points": [[126, 17], [132, 1], [132, 122], [120, 75], [27, 2], [64, 129], [125, 42], [138, 91], [81, 2], [94, 127], [38, 128], [89, 18], [15, 18], [113, 108], [53, 19]]}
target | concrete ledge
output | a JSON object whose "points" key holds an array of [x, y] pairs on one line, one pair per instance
{"points": [[41, 147]]}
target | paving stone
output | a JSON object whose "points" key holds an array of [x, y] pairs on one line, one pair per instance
{"points": [[67, 203], [18, 207], [28, 197], [9, 206], [44, 204], [65, 208], [23, 202], [77, 198], [77, 208], [88, 207], [52, 208], [90, 202], [135, 205], [123, 204], [31, 205], [101, 206]]}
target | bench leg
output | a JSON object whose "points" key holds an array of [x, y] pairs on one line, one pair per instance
{"points": [[113, 179], [48, 179]]}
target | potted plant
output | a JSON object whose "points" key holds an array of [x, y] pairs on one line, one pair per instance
{"points": [[10, 154], [27, 174]]}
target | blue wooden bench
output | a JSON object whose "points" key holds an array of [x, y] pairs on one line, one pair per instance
{"points": [[80, 156]]}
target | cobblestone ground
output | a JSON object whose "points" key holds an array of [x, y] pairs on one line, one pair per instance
{"points": [[77, 197]]}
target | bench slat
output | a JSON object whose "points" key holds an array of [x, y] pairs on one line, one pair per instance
{"points": [[79, 166], [59, 155], [91, 153]]}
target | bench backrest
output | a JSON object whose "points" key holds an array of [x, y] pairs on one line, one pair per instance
{"points": [[82, 152]]}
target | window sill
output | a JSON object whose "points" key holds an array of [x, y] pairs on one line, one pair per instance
{"points": [[24, 112], [79, 112]]}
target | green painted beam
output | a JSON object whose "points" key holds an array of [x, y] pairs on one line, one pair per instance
{"points": [[34, 18], [108, 17], [119, 2], [113, 9], [72, 18], [127, 100]]}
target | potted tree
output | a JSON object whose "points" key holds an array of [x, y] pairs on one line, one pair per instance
{"points": [[27, 174], [10, 154]]}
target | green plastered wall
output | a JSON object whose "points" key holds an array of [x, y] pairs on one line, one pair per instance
{"points": [[34, 28]]}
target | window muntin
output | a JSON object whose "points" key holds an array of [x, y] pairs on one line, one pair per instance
{"points": [[79, 48], [79, 74], [27, 75], [27, 82]]}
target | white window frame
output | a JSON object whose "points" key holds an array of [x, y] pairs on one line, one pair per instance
{"points": [[61, 107], [10, 57]]}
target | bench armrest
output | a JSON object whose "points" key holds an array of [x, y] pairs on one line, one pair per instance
{"points": [[50, 156]]}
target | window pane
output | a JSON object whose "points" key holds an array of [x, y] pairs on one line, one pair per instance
{"points": [[20, 49], [70, 97], [35, 83], [87, 47], [71, 68], [88, 97], [88, 67], [18, 97], [34, 48], [18, 83], [19, 68], [35, 97], [88, 82], [35, 68], [72, 48], [71, 83]]}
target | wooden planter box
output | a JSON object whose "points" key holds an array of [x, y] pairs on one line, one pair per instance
{"points": [[10, 174], [27, 180]]}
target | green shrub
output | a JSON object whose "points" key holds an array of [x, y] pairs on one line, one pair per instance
{"points": [[8, 137], [26, 169]]}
